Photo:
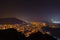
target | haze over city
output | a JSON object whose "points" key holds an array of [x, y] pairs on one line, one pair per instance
{"points": [[32, 10]]}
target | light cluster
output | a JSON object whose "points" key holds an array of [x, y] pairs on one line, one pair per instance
{"points": [[26, 29]]}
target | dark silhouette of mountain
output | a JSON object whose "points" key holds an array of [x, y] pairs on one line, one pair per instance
{"points": [[10, 21], [12, 34], [40, 36], [54, 31]]}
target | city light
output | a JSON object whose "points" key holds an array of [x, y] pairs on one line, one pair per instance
{"points": [[26, 29], [55, 20]]}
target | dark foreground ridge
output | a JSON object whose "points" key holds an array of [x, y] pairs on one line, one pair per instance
{"points": [[12, 34]]}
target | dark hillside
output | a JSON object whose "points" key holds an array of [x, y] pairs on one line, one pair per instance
{"points": [[12, 34]]}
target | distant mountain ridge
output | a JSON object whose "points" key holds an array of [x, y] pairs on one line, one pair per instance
{"points": [[10, 21]]}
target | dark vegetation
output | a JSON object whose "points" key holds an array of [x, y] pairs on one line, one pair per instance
{"points": [[12, 34]]}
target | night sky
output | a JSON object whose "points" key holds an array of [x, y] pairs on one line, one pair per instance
{"points": [[30, 10]]}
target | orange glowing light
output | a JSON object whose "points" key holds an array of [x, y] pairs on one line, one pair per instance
{"points": [[35, 27]]}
